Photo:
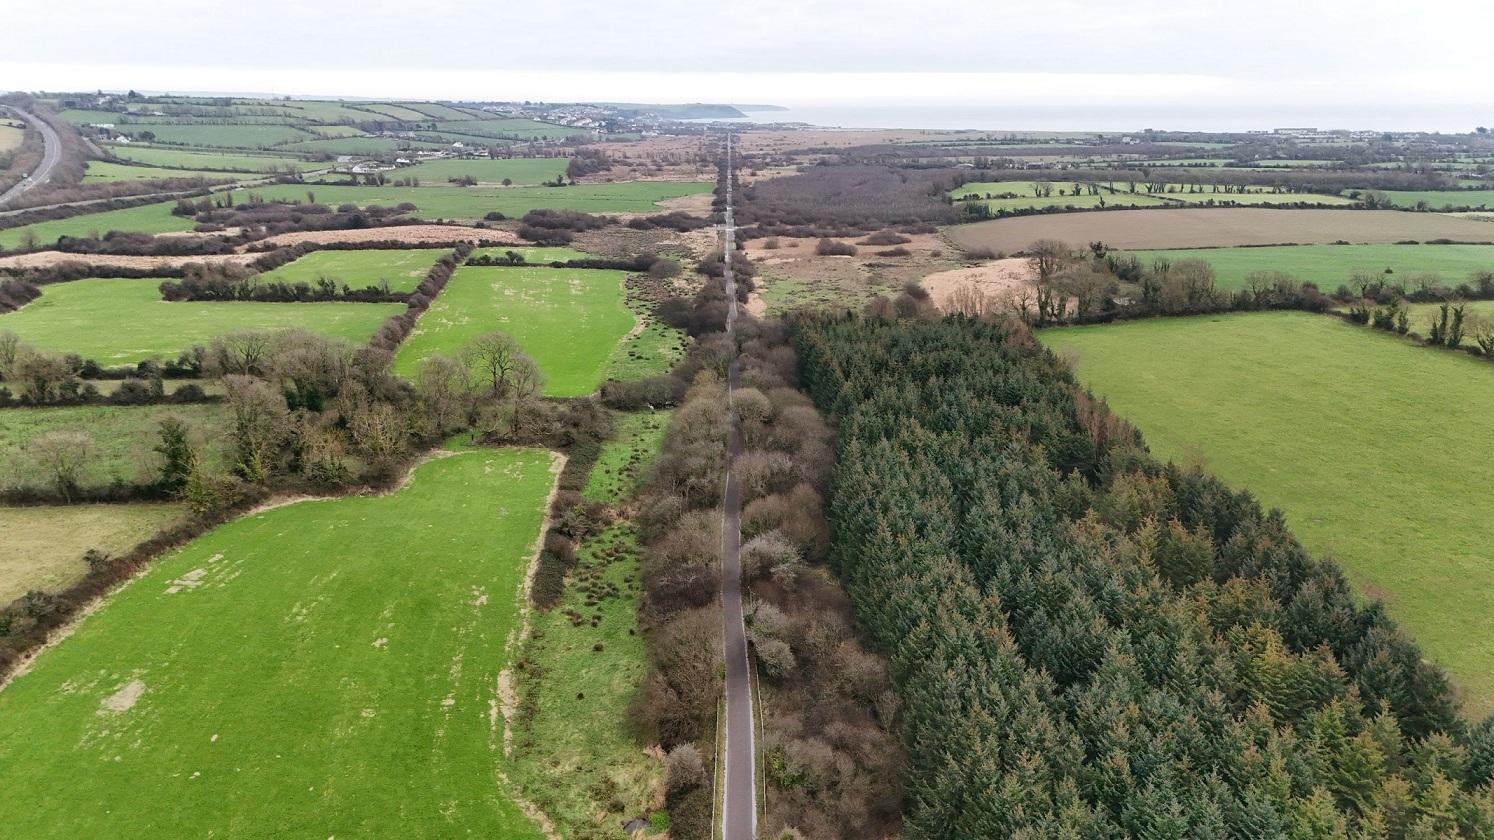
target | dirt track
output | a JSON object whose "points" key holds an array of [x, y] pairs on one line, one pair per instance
{"points": [[1219, 227]]}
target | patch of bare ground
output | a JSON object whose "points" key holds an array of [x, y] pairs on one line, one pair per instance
{"points": [[45, 259], [791, 274], [664, 158], [623, 242], [410, 234], [696, 205], [996, 282], [1217, 227]]}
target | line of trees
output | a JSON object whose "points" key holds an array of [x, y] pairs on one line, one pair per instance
{"points": [[1086, 643]]}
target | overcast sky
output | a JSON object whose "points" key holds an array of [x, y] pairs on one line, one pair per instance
{"points": [[1376, 57]]}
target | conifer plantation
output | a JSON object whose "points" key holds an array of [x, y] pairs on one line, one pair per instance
{"points": [[1089, 644]]}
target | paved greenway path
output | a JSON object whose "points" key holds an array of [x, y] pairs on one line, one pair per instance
{"points": [[739, 785], [51, 153]]}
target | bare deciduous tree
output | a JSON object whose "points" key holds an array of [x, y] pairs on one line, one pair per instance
{"points": [[61, 457]]}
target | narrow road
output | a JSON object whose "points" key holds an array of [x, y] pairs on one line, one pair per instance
{"points": [[739, 785], [51, 154]]}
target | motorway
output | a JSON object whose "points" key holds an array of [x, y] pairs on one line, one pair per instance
{"points": [[739, 750], [51, 154]]}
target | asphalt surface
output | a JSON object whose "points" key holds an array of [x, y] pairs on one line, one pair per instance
{"points": [[51, 154], [739, 785]]}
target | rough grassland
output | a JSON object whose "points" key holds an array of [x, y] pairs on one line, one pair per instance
{"points": [[433, 202], [1376, 450], [449, 202], [326, 669], [1331, 265], [122, 437], [117, 321], [522, 171], [1219, 227], [574, 753], [43, 546], [10, 136], [619, 468], [402, 269], [567, 320]]}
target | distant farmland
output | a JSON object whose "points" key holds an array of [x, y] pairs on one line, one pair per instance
{"points": [[1218, 227], [1325, 420], [116, 321], [449, 202], [1331, 265], [326, 669], [157, 156]]}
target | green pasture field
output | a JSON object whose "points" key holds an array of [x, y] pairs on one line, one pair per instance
{"points": [[164, 157], [1256, 197], [358, 145], [435, 110], [394, 112], [82, 117], [568, 320], [1274, 163], [147, 218], [99, 170], [1439, 199], [1328, 266], [323, 669], [334, 130], [402, 269], [449, 202], [522, 171], [44, 544], [532, 254], [1365, 441], [1025, 199], [323, 111], [122, 437], [116, 321], [232, 136]]}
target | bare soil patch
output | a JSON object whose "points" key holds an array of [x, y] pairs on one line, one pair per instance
{"points": [[793, 275], [998, 281], [45, 259], [124, 699], [1219, 227], [410, 234]]}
